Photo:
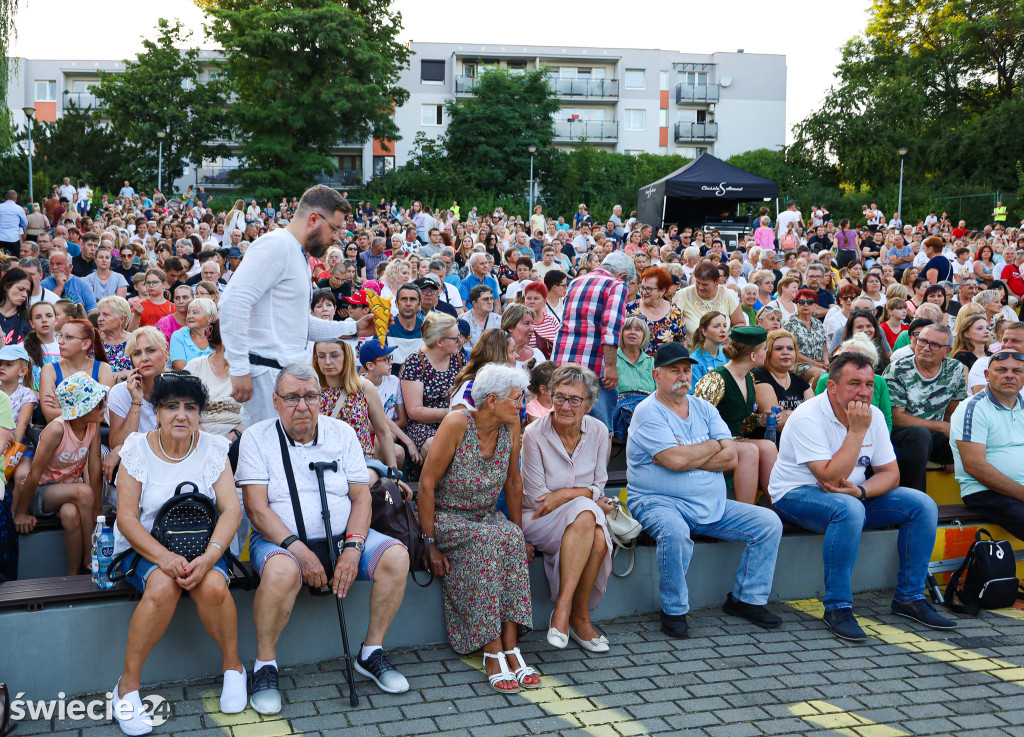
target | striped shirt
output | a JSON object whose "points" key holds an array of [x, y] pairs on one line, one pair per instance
{"points": [[594, 308]]}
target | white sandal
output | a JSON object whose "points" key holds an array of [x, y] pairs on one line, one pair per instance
{"points": [[523, 671], [503, 675]]}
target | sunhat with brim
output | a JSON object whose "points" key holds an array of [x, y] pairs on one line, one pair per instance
{"points": [[80, 394]]}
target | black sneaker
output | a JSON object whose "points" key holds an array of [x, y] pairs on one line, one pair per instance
{"points": [[378, 668], [264, 695], [843, 625], [674, 625], [754, 613], [923, 612]]}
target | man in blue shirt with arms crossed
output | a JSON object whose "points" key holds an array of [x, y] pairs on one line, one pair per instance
{"points": [[677, 451]]}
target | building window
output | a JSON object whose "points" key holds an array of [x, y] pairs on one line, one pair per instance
{"points": [[46, 90], [517, 67], [636, 120], [469, 70], [635, 79], [382, 164], [663, 118], [431, 71], [430, 114], [352, 163], [700, 79], [663, 79]]}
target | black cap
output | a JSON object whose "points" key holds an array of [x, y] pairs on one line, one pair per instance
{"points": [[918, 323], [423, 283], [670, 353]]}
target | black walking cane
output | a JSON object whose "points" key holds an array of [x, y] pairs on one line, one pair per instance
{"points": [[318, 468]]}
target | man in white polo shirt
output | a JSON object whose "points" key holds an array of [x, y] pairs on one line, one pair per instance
{"points": [[820, 482], [988, 433]]}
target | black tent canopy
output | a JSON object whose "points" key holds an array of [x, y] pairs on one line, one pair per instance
{"points": [[706, 188]]}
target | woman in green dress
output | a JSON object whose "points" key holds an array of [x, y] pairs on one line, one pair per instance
{"points": [[731, 389]]}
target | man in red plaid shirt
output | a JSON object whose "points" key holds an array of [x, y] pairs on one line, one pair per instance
{"points": [[595, 307]]}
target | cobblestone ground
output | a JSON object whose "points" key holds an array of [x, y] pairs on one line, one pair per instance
{"points": [[729, 679]]}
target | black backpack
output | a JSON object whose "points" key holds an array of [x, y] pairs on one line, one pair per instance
{"points": [[183, 525], [991, 580]]}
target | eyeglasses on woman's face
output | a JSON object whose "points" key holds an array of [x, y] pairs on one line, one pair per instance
{"points": [[573, 402]]}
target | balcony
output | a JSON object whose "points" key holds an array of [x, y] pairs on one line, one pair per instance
{"points": [[577, 88], [596, 131], [691, 94], [686, 132], [465, 85], [341, 178], [82, 100]]}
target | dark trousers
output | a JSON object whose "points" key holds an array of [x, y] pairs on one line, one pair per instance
{"points": [[11, 248], [998, 509], [845, 256], [915, 446]]}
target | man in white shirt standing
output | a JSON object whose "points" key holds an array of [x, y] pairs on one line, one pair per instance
{"points": [[266, 304], [787, 216], [67, 190]]}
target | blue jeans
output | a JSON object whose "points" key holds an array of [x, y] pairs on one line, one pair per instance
{"points": [[625, 406], [604, 407], [662, 518], [842, 518]]}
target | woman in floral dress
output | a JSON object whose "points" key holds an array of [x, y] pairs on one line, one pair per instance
{"points": [[480, 554], [664, 319]]}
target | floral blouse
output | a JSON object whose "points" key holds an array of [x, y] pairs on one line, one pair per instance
{"points": [[810, 341], [671, 328], [354, 411]]}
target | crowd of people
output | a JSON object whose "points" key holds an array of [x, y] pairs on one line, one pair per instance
{"points": [[813, 367]]}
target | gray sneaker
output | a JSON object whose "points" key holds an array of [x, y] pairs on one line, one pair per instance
{"points": [[378, 668], [264, 695]]}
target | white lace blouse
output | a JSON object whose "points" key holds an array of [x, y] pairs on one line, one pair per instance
{"points": [[159, 478]]}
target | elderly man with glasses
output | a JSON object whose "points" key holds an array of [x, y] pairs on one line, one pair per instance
{"points": [[65, 284], [987, 433], [282, 501], [925, 390]]}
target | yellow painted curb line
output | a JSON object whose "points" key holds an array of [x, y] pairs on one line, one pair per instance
{"points": [[834, 719]]}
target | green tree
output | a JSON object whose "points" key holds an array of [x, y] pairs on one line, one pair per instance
{"points": [[924, 73], [488, 134], [79, 146], [162, 91], [303, 77]]}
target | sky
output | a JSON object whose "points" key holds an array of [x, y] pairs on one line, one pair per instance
{"points": [[809, 33]]}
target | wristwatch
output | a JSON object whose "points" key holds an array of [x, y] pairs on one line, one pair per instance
{"points": [[428, 541], [863, 493], [357, 544], [288, 541]]}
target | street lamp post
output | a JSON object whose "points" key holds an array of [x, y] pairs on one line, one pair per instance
{"points": [[533, 150], [29, 113], [160, 162], [899, 204]]}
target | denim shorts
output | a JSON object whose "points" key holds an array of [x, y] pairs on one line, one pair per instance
{"points": [[144, 569], [260, 551], [35, 505]]}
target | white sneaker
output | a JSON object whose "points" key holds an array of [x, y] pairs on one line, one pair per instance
{"points": [[130, 714], [234, 695]]}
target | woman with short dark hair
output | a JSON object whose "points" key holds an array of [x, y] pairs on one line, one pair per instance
{"points": [[153, 465]]}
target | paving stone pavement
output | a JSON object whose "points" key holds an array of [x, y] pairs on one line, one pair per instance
{"points": [[729, 679]]}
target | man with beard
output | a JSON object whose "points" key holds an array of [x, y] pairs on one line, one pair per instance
{"points": [[265, 318], [677, 452]]}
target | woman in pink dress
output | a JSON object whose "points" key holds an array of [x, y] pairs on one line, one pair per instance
{"points": [[565, 458]]}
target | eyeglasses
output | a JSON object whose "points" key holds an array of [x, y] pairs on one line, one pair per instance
{"points": [[846, 298], [1003, 355], [807, 302], [62, 337], [292, 400], [931, 344], [573, 402], [335, 230], [648, 290]]}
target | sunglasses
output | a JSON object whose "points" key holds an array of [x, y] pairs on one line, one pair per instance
{"points": [[1003, 355], [807, 301]]}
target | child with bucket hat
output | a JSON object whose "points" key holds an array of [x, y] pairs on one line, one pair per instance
{"points": [[64, 478]]}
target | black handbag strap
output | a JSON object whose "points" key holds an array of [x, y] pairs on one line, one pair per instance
{"points": [[293, 490], [954, 584]]}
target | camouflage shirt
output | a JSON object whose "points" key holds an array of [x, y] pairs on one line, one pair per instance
{"points": [[923, 398]]}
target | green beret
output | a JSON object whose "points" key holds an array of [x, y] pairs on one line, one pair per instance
{"points": [[752, 335]]}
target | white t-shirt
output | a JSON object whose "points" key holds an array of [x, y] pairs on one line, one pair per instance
{"points": [[44, 296], [84, 194], [785, 218], [814, 433], [390, 393], [119, 402], [260, 462], [977, 375], [68, 191]]}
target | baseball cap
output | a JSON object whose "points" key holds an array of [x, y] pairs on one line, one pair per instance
{"points": [[234, 252], [464, 327], [670, 353], [372, 350], [357, 298], [425, 283], [14, 352]]}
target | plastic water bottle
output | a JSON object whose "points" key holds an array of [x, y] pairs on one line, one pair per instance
{"points": [[102, 553], [771, 429], [97, 531]]}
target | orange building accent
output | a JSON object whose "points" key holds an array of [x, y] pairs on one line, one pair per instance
{"points": [[664, 99], [46, 112], [663, 136], [383, 147]]}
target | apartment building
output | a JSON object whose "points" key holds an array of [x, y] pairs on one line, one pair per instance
{"points": [[623, 100]]}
